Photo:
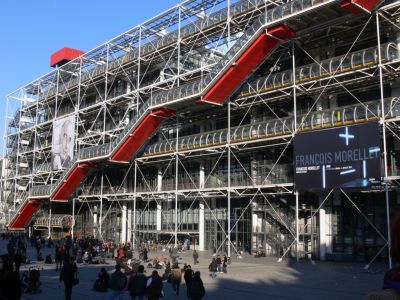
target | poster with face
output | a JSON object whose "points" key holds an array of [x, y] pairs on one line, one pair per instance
{"points": [[63, 143]]}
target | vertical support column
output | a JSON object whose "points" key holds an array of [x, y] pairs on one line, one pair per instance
{"points": [[50, 221], [176, 183], [383, 122], [229, 178], [95, 221], [159, 180], [201, 226], [134, 206], [73, 218], [294, 134], [202, 175], [106, 94], [129, 227], [123, 223], [322, 230], [297, 228], [100, 232], [158, 217]]}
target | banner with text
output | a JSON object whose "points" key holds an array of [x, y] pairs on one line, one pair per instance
{"points": [[346, 157]]}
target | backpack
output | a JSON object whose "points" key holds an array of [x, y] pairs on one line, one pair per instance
{"points": [[117, 281], [176, 275]]}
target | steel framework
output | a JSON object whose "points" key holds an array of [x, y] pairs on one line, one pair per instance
{"points": [[200, 105]]}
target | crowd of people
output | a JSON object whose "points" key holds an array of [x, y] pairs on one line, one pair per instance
{"points": [[70, 252]]}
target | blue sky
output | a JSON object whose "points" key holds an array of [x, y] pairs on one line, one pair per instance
{"points": [[31, 30]]}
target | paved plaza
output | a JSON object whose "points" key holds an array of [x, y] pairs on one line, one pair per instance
{"points": [[258, 278]]}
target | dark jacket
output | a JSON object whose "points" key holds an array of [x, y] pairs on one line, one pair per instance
{"points": [[117, 281], [155, 287], [10, 286], [213, 266], [196, 289], [137, 284], [68, 273], [188, 275]]}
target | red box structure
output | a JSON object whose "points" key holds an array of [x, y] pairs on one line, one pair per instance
{"points": [[64, 55]]}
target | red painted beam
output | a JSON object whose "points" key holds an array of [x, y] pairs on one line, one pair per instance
{"points": [[359, 6], [247, 62], [73, 180], [141, 133], [26, 213]]}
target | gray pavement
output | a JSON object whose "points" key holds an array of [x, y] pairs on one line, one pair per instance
{"points": [[258, 278]]}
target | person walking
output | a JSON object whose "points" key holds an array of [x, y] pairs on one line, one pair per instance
{"points": [[196, 289], [57, 257], [117, 284], [17, 261], [195, 257], [137, 284], [213, 268], [67, 275], [188, 275], [219, 264], [154, 286], [176, 278], [145, 256]]}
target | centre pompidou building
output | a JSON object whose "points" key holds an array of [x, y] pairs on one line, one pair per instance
{"points": [[217, 124]]}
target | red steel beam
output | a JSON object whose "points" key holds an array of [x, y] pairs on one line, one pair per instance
{"points": [[73, 180], [26, 213], [141, 133], [359, 6], [247, 62]]}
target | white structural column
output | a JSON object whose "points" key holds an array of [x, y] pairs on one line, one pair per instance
{"points": [[50, 222], [159, 180], [158, 217], [129, 225], [322, 230], [201, 226], [383, 122], [73, 218], [134, 206], [159, 188], [123, 223], [202, 175], [95, 221]]}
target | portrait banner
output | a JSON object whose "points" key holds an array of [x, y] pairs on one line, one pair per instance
{"points": [[63, 141]]}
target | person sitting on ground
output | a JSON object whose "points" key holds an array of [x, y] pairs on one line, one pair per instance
{"points": [[391, 281], [117, 284], [196, 289], [137, 284]]}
